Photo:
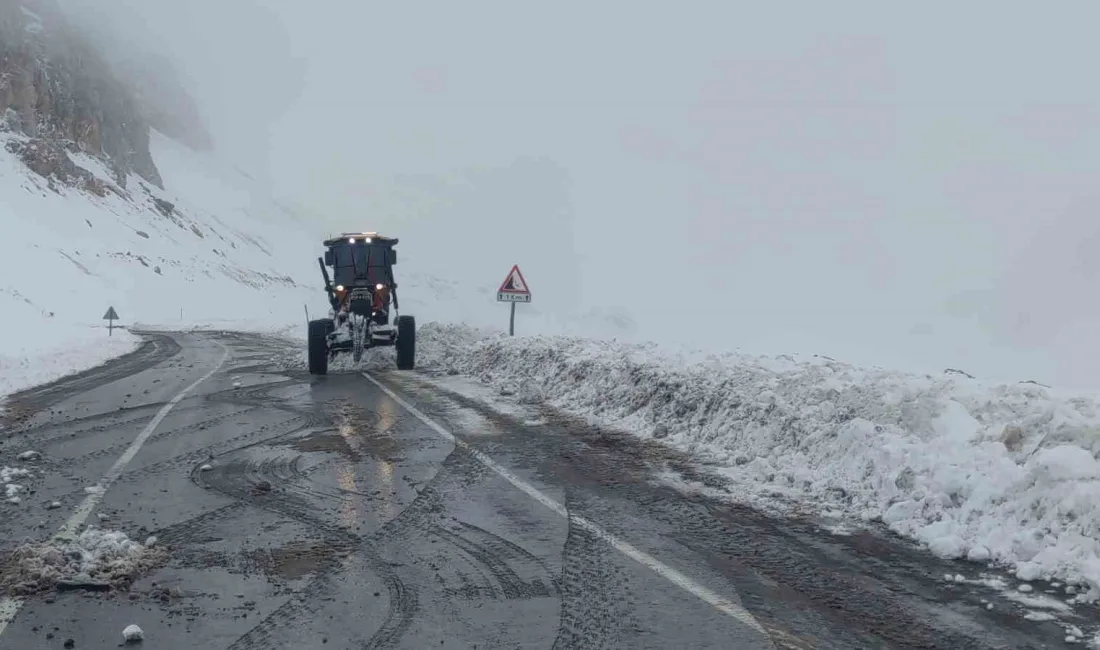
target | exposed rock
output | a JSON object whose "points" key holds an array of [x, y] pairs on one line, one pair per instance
{"points": [[165, 207], [56, 89], [1013, 437], [1034, 383], [49, 160]]}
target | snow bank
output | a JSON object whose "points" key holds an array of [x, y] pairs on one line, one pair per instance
{"points": [[77, 348], [95, 559], [1006, 473]]}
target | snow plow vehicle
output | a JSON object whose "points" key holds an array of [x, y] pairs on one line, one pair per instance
{"points": [[361, 293]]}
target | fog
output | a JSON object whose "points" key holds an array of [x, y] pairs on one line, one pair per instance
{"points": [[904, 186]]}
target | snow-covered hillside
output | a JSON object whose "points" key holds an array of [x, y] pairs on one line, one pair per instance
{"points": [[208, 248]]}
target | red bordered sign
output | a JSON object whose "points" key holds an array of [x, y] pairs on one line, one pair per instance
{"points": [[514, 288]]}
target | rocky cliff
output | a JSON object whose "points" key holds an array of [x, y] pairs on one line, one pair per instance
{"points": [[62, 95]]}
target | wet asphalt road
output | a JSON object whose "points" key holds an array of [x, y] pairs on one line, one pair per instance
{"points": [[333, 516]]}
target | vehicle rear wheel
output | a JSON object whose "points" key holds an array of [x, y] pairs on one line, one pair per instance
{"points": [[406, 343], [318, 345]]}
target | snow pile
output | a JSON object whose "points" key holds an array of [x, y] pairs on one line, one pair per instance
{"points": [[133, 634], [1004, 473], [96, 559], [11, 489], [9, 474]]}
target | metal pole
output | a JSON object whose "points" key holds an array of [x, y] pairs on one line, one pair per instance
{"points": [[111, 327], [512, 322]]}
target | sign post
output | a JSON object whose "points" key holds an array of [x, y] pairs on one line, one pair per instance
{"points": [[111, 316], [513, 290]]}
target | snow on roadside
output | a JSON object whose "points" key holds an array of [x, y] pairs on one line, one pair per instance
{"points": [[43, 360], [8, 476], [95, 558], [1004, 474], [209, 245]]}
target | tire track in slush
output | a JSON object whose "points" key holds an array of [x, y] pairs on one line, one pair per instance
{"points": [[304, 608], [423, 518], [248, 438], [198, 529], [168, 433], [700, 591], [297, 500], [418, 521], [403, 602], [488, 552], [89, 424], [588, 618]]}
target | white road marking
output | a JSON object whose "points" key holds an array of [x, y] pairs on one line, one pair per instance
{"points": [[720, 603], [9, 607]]}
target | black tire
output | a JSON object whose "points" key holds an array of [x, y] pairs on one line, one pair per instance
{"points": [[318, 345], [406, 343]]}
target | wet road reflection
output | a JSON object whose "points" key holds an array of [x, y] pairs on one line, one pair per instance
{"points": [[363, 472]]}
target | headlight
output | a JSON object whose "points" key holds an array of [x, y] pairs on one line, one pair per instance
{"points": [[339, 287], [380, 287], [367, 240], [352, 240]]}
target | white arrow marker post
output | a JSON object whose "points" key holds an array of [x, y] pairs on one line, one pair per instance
{"points": [[111, 316], [513, 290]]}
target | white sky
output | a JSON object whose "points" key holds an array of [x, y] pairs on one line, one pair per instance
{"points": [[911, 186]]}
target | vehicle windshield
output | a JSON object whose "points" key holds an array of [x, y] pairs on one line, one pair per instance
{"points": [[360, 262]]}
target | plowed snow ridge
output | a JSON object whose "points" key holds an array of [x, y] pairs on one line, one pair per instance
{"points": [[1004, 474]]}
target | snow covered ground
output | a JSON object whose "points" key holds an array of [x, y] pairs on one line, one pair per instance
{"points": [[209, 246], [1004, 475], [212, 250], [36, 362]]}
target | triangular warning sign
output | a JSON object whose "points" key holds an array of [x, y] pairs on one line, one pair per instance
{"points": [[514, 283], [111, 314]]}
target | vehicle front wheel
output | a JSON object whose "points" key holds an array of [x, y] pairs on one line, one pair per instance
{"points": [[318, 345], [406, 343]]}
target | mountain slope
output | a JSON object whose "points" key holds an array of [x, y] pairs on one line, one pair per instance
{"points": [[206, 248], [99, 210]]}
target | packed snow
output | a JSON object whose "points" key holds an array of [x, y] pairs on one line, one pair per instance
{"points": [[8, 478], [96, 558], [133, 634]]}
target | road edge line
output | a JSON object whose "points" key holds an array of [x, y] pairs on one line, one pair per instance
{"points": [[9, 607], [715, 600]]}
